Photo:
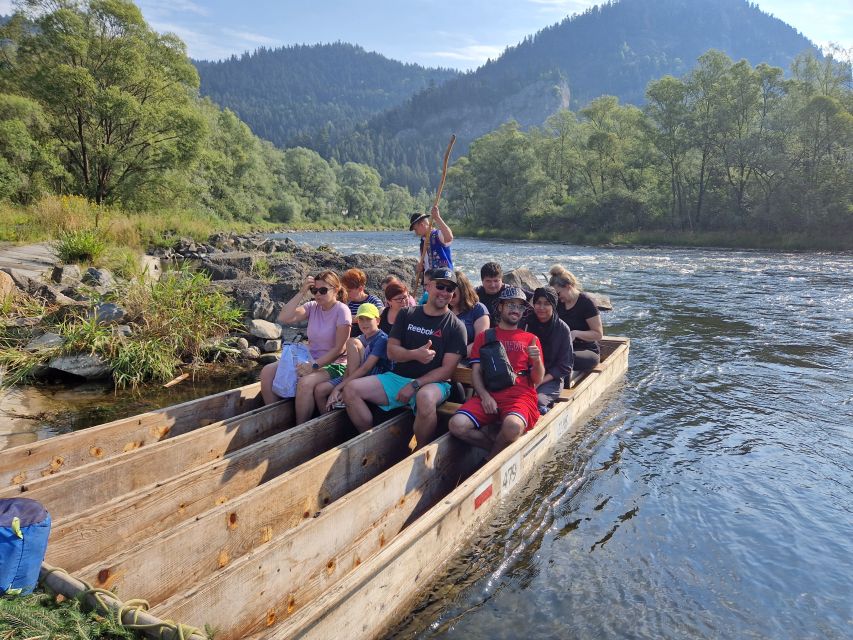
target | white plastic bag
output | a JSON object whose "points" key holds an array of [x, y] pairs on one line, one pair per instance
{"points": [[284, 383]]}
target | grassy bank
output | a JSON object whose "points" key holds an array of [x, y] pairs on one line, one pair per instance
{"points": [[708, 239], [52, 216]]}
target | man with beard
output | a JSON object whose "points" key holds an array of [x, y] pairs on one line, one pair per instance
{"points": [[425, 343], [492, 420]]}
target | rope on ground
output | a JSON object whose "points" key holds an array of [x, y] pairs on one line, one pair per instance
{"points": [[131, 608]]}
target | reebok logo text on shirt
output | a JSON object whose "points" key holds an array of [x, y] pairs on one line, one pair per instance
{"points": [[422, 330]]}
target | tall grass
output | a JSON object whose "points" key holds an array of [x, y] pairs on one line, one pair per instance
{"points": [[172, 323]]}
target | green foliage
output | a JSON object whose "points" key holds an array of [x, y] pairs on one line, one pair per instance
{"points": [[40, 616], [614, 48], [80, 246], [729, 147], [119, 95], [172, 322], [308, 93]]}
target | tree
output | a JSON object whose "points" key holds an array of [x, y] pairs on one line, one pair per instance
{"points": [[28, 161], [360, 193], [119, 96]]}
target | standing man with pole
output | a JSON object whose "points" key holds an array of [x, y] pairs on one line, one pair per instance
{"points": [[435, 243]]}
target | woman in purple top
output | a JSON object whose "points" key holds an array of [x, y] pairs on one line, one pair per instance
{"points": [[329, 321]]}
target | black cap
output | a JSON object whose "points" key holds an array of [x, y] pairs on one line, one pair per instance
{"points": [[512, 293], [442, 273], [416, 218]]}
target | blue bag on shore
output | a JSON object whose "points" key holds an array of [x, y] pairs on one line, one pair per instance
{"points": [[24, 529]]}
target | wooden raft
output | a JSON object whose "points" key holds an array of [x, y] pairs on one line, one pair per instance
{"points": [[256, 527]]}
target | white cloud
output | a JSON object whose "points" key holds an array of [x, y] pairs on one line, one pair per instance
{"points": [[249, 37], [170, 7], [6, 7], [564, 7], [478, 53]]}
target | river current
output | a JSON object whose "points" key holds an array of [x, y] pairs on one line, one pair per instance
{"points": [[710, 494]]}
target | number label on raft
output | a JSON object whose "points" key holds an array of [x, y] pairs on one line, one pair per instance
{"points": [[563, 424], [510, 473]]}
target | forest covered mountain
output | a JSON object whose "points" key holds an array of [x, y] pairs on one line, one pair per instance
{"points": [[314, 96], [305, 94], [612, 49]]}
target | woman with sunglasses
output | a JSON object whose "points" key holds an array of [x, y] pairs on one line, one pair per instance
{"points": [[397, 296], [354, 281], [467, 306], [578, 311], [329, 322]]}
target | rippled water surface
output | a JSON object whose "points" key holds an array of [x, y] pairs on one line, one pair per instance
{"points": [[712, 495]]}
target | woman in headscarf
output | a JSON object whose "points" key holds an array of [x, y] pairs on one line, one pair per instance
{"points": [[555, 337]]}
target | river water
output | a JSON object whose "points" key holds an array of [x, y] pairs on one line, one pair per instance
{"points": [[711, 493]]}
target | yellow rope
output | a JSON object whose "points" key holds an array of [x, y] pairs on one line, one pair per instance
{"points": [[130, 607]]}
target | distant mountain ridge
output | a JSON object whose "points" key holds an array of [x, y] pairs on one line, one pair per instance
{"points": [[612, 49], [303, 93], [615, 48]]}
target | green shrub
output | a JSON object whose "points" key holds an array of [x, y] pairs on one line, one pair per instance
{"points": [[80, 246], [173, 322]]}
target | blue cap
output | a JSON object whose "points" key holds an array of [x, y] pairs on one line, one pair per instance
{"points": [[512, 293]]}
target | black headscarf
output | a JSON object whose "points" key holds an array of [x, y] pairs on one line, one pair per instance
{"points": [[543, 330]]}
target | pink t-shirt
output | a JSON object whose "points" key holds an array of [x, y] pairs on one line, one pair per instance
{"points": [[322, 326]]}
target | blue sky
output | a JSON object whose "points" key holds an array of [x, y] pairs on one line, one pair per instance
{"points": [[451, 33]]}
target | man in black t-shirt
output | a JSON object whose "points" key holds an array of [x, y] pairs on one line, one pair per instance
{"points": [[425, 344], [491, 275]]}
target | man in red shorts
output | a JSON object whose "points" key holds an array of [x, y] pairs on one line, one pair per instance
{"points": [[492, 420]]}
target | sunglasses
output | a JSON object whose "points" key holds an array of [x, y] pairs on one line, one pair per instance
{"points": [[450, 287], [399, 299], [321, 290], [515, 306]]}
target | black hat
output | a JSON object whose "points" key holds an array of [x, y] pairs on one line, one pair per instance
{"points": [[549, 293], [442, 273], [512, 293], [416, 218]]}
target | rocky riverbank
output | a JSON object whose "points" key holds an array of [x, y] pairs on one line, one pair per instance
{"points": [[257, 274]]}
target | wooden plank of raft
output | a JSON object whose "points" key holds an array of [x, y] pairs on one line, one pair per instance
{"points": [[96, 483], [290, 571], [47, 457], [197, 548], [91, 536]]}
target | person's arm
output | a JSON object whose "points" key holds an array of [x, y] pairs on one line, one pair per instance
{"points": [[490, 405], [441, 225], [593, 334], [365, 368], [537, 367], [293, 312], [480, 325], [441, 374], [423, 354]]}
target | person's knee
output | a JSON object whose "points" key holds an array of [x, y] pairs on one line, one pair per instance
{"points": [[513, 427], [349, 393], [459, 425], [427, 401]]}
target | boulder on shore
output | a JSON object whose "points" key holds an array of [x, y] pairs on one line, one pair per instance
{"points": [[265, 330], [87, 366]]}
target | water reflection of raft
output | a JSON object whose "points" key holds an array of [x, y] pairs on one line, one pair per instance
{"points": [[258, 528]]}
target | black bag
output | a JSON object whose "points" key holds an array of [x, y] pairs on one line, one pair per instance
{"points": [[494, 364]]}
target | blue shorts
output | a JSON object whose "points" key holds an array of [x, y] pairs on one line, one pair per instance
{"points": [[392, 383]]}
